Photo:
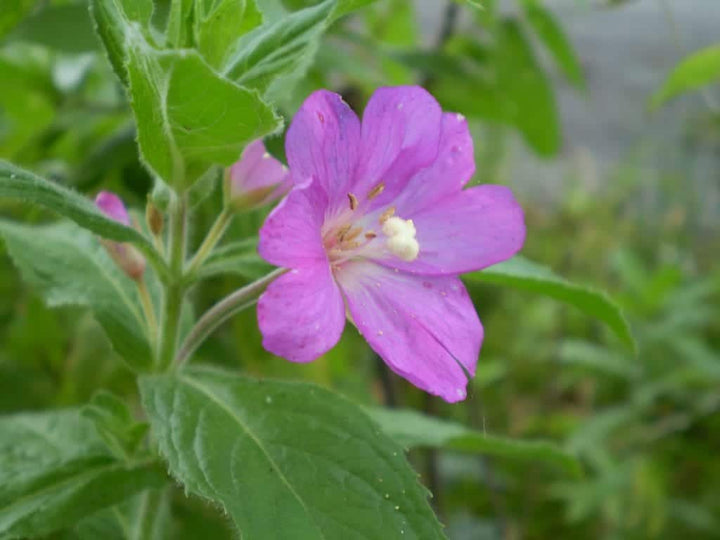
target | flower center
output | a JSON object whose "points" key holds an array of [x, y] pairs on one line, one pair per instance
{"points": [[347, 238]]}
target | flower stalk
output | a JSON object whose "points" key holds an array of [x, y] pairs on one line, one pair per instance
{"points": [[211, 240], [148, 310], [175, 289], [221, 312]]}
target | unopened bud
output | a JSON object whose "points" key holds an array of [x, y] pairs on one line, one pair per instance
{"points": [[256, 179], [125, 255], [154, 218]]}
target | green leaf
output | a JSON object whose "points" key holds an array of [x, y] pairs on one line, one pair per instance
{"points": [[144, 516], [285, 460], [693, 72], [219, 23], [526, 275], [113, 23], [504, 83], [66, 28], [17, 183], [188, 117], [12, 12], [278, 48], [552, 35], [598, 358], [115, 424], [56, 470], [239, 258], [51, 258], [412, 429]]}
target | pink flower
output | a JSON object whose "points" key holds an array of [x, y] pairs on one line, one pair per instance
{"points": [[256, 179], [125, 255], [378, 227]]}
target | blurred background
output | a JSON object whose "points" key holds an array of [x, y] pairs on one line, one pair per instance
{"points": [[621, 189]]}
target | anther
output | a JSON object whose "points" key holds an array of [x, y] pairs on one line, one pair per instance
{"points": [[353, 201], [343, 231], [352, 234], [377, 190], [370, 235], [387, 214]]}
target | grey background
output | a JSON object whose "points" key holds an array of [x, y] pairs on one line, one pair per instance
{"points": [[626, 53]]}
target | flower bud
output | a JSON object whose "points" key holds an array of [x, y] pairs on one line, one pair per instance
{"points": [[125, 255], [154, 218], [256, 179]]}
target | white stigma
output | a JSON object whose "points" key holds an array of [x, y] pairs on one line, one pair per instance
{"points": [[401, 239]]}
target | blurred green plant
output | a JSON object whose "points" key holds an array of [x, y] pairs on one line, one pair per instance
{"points": [[641, 430]]}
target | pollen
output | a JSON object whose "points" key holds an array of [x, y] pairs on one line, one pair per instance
{"points": [[401, 239], [353, 201], [352, 234], [387, 214], [377, 190]]}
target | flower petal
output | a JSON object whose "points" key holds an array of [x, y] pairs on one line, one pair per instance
{"points": [[425, 328], [451, 170], [301, 314], [291, 235], [400, 136], [323, 142], [470, 230]]}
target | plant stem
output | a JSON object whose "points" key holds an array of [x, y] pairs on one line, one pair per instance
{"points": [[174, 290], [150, 514], [213, 237], [221, 312], [148, 310]]}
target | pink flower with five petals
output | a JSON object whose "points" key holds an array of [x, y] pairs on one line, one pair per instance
{"points": [[378, 227]]}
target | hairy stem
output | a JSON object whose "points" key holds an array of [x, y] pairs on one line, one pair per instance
{"points": [[213, 237], [174, 290], [221, 312]]}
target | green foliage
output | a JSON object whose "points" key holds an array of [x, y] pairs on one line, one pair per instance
{"points": [[285, 459], [113, 421], [553, 37], [188, 117], [414, 430], [65, 28], [695, 71], [239, 258], [526, 275], [56, 471], [113, 23], [23, 185], [13, 11], [51, 258], [277, 49], [219, 23]]}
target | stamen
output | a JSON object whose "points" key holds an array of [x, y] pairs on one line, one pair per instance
{"points": [[387, 214], [342, 232], [370, 235], [353, 201], [352, 234], [377, 190]]}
